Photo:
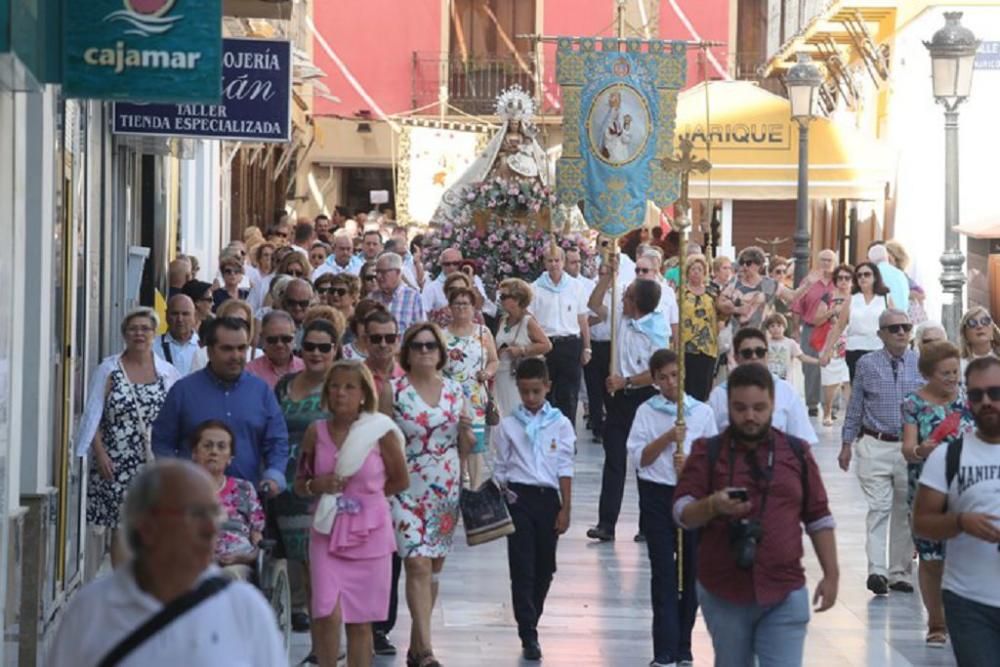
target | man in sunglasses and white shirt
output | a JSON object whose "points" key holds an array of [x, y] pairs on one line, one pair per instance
{"points": [[790, 416], [873, 428]]}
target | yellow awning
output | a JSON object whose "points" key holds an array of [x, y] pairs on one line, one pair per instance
{"points": [[755, 148]]}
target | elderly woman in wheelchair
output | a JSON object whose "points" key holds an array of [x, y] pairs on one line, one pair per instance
{"points": [[236, 550]]}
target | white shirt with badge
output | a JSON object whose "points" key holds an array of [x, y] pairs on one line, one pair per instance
{"points": [[650, 423], [558, 312], [515, 455], [790, 414], [234, 627], [634, 348], [972, 567], [668, 305]]}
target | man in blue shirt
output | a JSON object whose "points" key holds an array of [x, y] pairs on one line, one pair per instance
{"points": [[894, 279], [224, 391]]}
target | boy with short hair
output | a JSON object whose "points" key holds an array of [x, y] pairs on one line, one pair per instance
{"points": [[534, 465], [781, 350]]}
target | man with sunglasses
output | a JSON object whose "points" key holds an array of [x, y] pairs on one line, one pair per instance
{"points": [[873, 427], [278, 337], [433, 294], [959, 501], [343, 259], [296, 301], [790, 416]]}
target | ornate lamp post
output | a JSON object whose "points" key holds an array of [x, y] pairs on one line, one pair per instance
{"points": [[953, 53], [803, 81]]}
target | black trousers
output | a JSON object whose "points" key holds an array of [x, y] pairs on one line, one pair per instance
{"points": [[699, 372], [564, 372], [621, 413], [852, 361], [389, 623], [673, 614], [531, 553], [595, 375]]}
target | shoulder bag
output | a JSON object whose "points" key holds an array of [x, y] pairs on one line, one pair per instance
{"points": [[145, 429], [484, 513], [171, 612], [492, 413]]}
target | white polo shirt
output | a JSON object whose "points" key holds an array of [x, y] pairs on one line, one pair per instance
{"points": [[649, 424], [233, 627], [635, 348], [558, 312], [790, 413]]}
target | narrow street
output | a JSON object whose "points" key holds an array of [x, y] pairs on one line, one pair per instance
{"points": [[598, 608]]}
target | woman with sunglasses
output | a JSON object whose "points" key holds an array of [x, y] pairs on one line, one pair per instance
{"points": [[519, 336], [940, 399], [300, 396], [340, 291], [354, 342], [369, 279], [434, 415], [472, 362], [232, 274], [869, 299], [201, 293], [980, 336], [294, 264]]}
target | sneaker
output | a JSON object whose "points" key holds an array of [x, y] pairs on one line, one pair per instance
{"points": [[878, 584], [381, 643]]}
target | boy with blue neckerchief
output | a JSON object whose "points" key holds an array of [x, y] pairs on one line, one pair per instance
{"points": [[534, 464], [653, 447]]}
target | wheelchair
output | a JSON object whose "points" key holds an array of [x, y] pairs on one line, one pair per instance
{"points": [[271, 577]]}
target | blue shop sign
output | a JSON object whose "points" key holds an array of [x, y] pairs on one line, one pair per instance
{"points": [[147, 50], [256, 100]]}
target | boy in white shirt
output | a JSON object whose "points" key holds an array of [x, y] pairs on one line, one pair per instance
{"points": [[534, 465], [653, 448]]}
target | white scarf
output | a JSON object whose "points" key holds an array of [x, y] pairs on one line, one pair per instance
{"points": [[362, 438]]}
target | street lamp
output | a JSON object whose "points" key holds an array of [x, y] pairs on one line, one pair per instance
{"points": [[953, 53], [803, 81]]}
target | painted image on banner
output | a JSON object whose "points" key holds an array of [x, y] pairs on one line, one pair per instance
{"points": [[618, 124]]}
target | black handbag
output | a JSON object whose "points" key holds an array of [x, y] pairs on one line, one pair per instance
{"points": [[484, 514]]}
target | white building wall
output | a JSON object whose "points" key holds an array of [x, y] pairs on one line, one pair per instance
{"points": [[202, 224], [915, 130]]}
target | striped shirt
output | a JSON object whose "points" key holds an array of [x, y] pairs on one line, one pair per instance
{"points": [[881, 382]]}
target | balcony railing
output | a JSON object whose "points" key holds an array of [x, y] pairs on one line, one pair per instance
{"points": [[473, 84]]}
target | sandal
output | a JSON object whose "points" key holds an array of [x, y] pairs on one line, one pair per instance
{"points": [[827, 421], [428, 660], [412, 660], [937, 638]]}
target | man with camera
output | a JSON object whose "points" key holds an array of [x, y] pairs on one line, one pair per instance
{"points": [[749, 490]]}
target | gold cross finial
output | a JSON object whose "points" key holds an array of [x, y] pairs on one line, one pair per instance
{"points": [[684, 163]]}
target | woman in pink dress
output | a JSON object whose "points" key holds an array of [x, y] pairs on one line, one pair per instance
{"points": [[350, 463]]}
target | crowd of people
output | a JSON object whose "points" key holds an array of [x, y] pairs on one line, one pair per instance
{"points": [[329, 384]]}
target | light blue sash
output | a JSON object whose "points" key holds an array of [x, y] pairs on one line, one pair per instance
{"points": [[654, 326], [535, 423]]}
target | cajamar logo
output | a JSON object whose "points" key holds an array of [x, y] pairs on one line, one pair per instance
{"points": [[145, 17]]}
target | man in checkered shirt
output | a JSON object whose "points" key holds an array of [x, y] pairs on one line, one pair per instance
{"points": [[873, 427]]}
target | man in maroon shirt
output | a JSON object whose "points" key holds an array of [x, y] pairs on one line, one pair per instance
{"points": [[750, 503]]}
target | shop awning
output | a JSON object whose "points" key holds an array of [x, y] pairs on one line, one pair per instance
{"points": [[755, 148]]}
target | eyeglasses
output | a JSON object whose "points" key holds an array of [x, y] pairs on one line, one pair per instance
{"points": [[905, 327], [751, 352], [274, 340], [133, 331], [220, 446], [984, 321], [977, 395], [864, 274], [461, 304], [378, 339], [323, 290], [423, 345], [283, 235], [506, 296], [843, 278], [747, 262], [312, 347], [195, 513], [297, 303], [370, 276], [231, 272], [451, 263], [295, 274]]}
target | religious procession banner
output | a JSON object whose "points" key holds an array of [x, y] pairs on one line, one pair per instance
{"points": [[431, 160], [618, 124]]}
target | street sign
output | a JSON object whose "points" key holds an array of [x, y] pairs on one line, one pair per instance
{"points": [[146, 50], [256, 100], [988, 55]]}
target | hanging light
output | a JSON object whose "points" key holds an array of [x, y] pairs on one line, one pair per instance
{"points": [[803, 81], [953, 54]]}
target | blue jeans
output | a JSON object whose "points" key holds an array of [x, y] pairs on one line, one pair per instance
{"points": [[774, 635], [673, 615], [974, 629]]}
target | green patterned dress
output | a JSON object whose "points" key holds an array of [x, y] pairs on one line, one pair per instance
{"points": [[293, 513]]}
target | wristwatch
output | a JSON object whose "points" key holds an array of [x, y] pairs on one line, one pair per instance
{"points": [[628, 383]]}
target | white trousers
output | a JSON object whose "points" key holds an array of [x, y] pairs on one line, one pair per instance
{"points": [[881, 471]]}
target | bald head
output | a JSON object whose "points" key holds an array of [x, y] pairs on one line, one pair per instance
{"points": [[179, 272], [180, 317]]}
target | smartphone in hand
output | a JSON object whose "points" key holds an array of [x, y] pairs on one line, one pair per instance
{"points": [[739, 494]]}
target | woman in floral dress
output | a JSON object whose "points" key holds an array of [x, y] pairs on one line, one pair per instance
{"points": [[925, 413], [699, 330], [433, 414], [472, 362]]}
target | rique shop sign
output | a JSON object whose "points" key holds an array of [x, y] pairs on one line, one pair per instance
{"points": [[145, 50], [256, 99]]}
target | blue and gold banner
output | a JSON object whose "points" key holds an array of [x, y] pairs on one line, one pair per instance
{"points": [[618, 124]]}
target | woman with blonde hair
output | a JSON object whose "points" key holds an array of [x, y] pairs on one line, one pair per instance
{"points": [[519, 336], [980, 336], [349, 463], [699, 329], [261, 259]]}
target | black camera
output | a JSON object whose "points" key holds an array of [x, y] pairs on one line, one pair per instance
{"points": [[744, 536]]}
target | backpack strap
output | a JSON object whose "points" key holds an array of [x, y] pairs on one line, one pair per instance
{"points": [[167, 354], [171, 612], [715, 448]]}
